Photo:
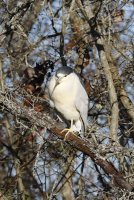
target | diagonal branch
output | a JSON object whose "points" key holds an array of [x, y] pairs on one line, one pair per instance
{"points": [[9, 104]]}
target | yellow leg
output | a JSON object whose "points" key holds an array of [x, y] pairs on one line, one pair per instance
{"points": [[69, 130]]}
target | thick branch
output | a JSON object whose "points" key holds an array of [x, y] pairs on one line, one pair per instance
{"points": [[99, 42], [127, 103], [111, 89], [8, 103]]}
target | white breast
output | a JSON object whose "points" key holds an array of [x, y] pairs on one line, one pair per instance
{"points": [[64, 96]]}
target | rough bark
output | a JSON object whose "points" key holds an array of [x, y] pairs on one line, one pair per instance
{"points": [[44, 120]]}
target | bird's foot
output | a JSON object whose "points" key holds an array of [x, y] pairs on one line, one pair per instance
{"points": [[69, 130]]}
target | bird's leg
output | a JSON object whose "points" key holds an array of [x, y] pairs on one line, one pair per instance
{"points": [[69, 130]]}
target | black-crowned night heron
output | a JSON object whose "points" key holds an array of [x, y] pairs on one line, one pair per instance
{"points": [[69, 97]]}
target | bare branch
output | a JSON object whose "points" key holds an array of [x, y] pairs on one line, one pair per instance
{"points": [[45, 121]]}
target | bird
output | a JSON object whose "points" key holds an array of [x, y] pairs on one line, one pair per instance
{"points": [[69, 97]]}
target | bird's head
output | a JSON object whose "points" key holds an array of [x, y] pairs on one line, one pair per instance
{"points": [[62, 73]]}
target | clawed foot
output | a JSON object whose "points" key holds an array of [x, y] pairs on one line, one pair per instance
{"points": [[69, 130]]}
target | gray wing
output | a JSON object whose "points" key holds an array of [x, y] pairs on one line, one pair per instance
{"points": [[81, 104]]}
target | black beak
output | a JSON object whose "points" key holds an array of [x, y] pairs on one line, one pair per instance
{"points": [[57, 83]]}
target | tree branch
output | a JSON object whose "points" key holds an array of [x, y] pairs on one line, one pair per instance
{"points": [[99, 42], [127, 103], [8, 103]]}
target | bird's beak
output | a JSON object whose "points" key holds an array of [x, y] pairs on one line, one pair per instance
{"points": [[57, 80], [57, 83]]}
